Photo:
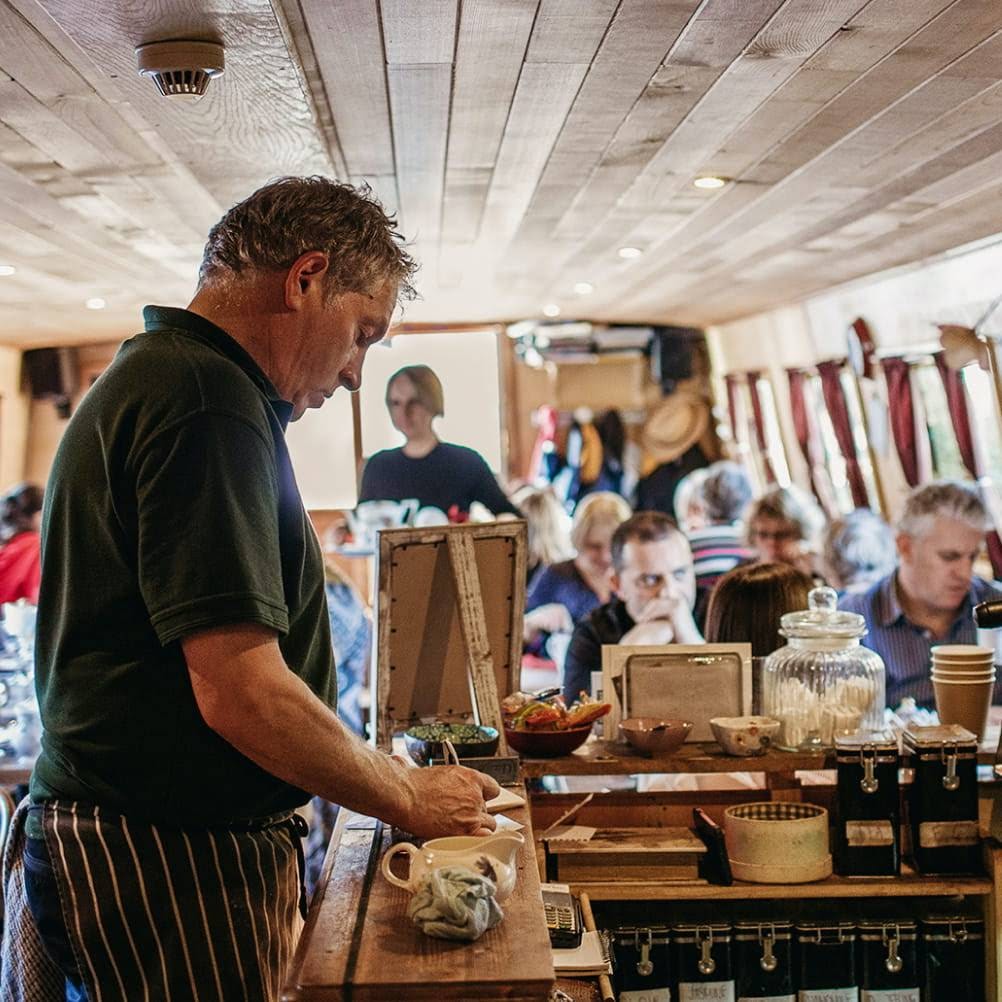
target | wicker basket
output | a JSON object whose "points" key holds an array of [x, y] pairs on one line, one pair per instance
{"points": [[778, 842]]}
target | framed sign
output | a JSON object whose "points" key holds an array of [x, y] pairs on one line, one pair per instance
{"points": [[449, 609]]}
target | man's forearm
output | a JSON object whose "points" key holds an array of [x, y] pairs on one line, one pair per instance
{"points": [[272, 717]]}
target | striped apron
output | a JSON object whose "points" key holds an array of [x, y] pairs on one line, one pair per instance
{"points": [[158, 913]]}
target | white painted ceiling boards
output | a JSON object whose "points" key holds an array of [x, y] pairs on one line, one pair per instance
{"points": [[521, 141]]}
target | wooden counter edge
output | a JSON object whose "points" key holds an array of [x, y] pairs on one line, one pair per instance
{"points": [[349, 871]]}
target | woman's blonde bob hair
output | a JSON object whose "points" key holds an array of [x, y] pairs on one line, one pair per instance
{"points": [[601, 509], [426, 384]]}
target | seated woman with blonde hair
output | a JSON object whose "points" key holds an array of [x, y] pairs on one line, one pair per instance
{"points": [[564, 593]]}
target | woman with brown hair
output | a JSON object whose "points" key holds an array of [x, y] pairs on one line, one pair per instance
{"points": [[746, 607]]}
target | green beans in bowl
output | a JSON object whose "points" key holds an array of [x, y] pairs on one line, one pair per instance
{"points": [[427, 741]]}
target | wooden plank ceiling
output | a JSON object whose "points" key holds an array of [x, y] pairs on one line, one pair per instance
{"points": [[523, 142]]}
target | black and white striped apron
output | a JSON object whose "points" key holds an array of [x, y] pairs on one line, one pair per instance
{"points": [[159, 913]]}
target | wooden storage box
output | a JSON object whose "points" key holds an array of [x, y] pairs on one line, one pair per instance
{"points": [[627, 854]]}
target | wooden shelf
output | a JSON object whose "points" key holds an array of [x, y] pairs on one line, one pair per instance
{"points": [[909, 885], [597, 757], [610, 758]]}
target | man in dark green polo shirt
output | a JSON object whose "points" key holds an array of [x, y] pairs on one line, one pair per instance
{"points": [[184, 662]]}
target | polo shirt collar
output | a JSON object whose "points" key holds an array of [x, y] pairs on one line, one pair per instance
{"points": [[163, 318]]}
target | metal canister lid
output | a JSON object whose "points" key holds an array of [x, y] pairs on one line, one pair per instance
{"points": [[933, 738], [878, 929], [952, 928], [752, 932], [827, 932], [881, 742], [686, 933]]}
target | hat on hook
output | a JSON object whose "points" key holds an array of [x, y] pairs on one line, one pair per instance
{"points": [[675, 425]]}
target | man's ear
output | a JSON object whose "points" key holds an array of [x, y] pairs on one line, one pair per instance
{"points": [[305, 278], [905, 544]]}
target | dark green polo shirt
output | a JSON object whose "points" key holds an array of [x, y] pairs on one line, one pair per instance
{"points": [[171, 507]]}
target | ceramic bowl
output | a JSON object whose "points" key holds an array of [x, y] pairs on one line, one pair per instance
{"points": [[427, 741], [655, 735], [547, 744], [744, 736]]}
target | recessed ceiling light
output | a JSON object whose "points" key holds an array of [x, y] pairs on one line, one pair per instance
{"points": [[710, 181], [7, 269], [96, 303], [584, 288], [628, 253], [551, 310]]}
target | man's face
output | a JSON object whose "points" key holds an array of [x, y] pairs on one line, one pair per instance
{"points": [[776, 540], [331, 343], [409, 415], [652, 570], [936, 567]]}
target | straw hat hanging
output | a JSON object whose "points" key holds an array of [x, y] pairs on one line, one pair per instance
{"points": [[676, 424]]}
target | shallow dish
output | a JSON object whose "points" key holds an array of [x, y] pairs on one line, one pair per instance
{"points": [[547, 744], [744, 736], [427, 741], [655, 735]]}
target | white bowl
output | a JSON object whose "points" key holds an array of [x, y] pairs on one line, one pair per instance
{"points": [[744, 736]]}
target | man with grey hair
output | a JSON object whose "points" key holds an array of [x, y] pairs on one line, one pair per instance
{"points": [[184, 664], [928, 599]]}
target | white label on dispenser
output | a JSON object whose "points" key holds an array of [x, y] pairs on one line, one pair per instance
{"points": [[891, 995], [828, 995], [647, 995], [868, 833], [933, 834], [768, 998], [706, 991]]}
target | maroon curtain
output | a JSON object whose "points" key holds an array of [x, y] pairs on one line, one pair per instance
{"points": [[838, 411], [953, 383], [956, 399], [760, 436], [798, 408], [902, 415], [731, 381]]}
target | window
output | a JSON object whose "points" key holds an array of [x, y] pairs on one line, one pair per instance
{"points": [[830, 479], [945, 455]]}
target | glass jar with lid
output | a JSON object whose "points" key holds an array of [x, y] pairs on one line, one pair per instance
{"points": [[823, 683]]}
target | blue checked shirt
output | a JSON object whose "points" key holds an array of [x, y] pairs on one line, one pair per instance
{"points": [[905, 647]]}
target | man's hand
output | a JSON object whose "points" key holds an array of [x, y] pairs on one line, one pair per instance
{"points": [[449, 800], [550, 618], [670, 610]]}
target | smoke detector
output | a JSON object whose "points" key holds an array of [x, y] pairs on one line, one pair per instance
{"points": [[180, 69]]}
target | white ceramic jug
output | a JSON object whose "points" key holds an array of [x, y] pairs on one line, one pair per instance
{"points": [[492, 856]]}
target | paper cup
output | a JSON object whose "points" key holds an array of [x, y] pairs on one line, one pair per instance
{"points": [[962, 651], [964, 703], [961, 675]]}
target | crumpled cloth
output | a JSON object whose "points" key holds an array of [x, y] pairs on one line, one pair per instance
{"points": [[453, 902]]}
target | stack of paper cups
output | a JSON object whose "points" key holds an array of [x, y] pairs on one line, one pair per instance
{"points": [[963, 677]]}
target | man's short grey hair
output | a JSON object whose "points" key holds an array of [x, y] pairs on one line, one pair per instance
{"points": [[270, 229], [726, 492], [944, 499], [859, 549]]}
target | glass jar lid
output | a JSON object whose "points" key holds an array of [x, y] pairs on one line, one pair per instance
{"points": [[823, 620]]}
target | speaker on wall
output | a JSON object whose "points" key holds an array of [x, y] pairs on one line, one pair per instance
{"points": [[672, 351], [51, 374]]}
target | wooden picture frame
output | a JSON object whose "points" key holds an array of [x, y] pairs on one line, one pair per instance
{"points": [[449, 607], [728, 692]]}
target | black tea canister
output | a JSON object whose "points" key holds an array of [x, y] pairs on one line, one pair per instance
{"points": [[889, 961], [826, 962], [954, 951], [641, 971], [701, 963], [944, 799], [868, 828], [763, 961]]}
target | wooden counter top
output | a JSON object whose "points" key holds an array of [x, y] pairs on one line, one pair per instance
{"points": [[358, 943]]}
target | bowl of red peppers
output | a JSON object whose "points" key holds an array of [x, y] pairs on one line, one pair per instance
{"points": [[545, 727]]}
